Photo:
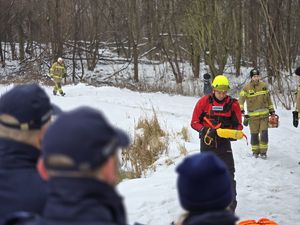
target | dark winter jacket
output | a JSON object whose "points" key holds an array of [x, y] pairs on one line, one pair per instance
{"points": [[211, 218], [21, 188], [81, 202]]}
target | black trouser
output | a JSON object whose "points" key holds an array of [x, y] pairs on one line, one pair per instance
{"points": [[222, 148]]}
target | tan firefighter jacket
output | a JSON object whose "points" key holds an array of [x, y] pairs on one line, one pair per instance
{"points": [[257, 98], [298, 99]]}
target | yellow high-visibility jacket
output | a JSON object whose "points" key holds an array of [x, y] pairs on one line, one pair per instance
{"points": [[58, 71], [258, 99]]}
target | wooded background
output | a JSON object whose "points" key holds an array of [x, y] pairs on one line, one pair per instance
{"points": [[253, 33]]}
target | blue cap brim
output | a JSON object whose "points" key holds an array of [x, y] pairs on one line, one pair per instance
{"points": [[122, 137]]}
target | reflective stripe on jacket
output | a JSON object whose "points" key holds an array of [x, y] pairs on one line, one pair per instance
{"points": [[298, 100], [58, 70], [258, 99]]}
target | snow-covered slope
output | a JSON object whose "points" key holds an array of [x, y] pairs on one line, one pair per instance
{"points": [[266, 188]]}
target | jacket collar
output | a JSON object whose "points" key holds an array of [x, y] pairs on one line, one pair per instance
{"points": [[223, 217], [83, 199], [14, 155], [254, 84], [225, 100]]}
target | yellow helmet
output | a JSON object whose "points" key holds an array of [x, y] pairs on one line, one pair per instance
{"points": [[220, 83]]}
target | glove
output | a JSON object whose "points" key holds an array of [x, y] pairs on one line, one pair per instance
{"points": [[201, 117], [65, 75], [295, 118], [202, 132], [212, 133], [246, 120], [243, 112]]}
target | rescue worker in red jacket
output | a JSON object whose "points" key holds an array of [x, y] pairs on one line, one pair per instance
{"points": [[218, 110]]}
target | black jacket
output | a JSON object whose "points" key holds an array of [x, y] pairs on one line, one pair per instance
{"points": [[211, 218], [81, 201], [21, 187]]}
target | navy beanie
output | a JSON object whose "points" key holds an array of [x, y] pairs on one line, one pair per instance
{"points": [[204, 183]]}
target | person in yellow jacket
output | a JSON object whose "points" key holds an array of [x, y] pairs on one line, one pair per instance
{"points": [[259, 106], [296, 112], [58, 71]]}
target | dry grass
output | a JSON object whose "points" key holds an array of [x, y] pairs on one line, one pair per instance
{"points": [[182, 149], [169, 162], [125, 175], [185, 134], [149, 143]]}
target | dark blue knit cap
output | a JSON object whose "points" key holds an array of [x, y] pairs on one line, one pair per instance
{"points": [[82, 140], [29, 104], [204, 183]]}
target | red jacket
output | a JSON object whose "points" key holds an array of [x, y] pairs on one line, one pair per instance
{"points": [[226, 113]]}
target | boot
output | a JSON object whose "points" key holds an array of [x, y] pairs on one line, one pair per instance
{"points": [[263, 155], [54, 92], [295, 118], [62, 94], [255, 154]]}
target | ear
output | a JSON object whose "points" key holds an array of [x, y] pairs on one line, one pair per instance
{"points": [[109, 171], [42, 169]]}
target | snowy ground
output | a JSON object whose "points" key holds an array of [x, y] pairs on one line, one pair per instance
{"points": [[266, 188]]}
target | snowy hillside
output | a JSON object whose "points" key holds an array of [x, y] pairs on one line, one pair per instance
{"points": [[266, 188]]}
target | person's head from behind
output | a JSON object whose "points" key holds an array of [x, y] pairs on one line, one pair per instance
{"points": [[25, 111], [204, 183], [255, 75], [220, 87], [82, 144], [60, 60]]}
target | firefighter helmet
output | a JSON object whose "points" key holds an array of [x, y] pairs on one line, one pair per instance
{"points": [[220, 83], [254, 72], [60, 60]]}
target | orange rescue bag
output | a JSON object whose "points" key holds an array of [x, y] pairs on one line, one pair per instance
{"points": [[261, 221]]}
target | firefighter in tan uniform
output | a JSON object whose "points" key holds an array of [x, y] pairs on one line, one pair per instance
{"points": [[296, 112], [57, 73], [259, 106]]}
